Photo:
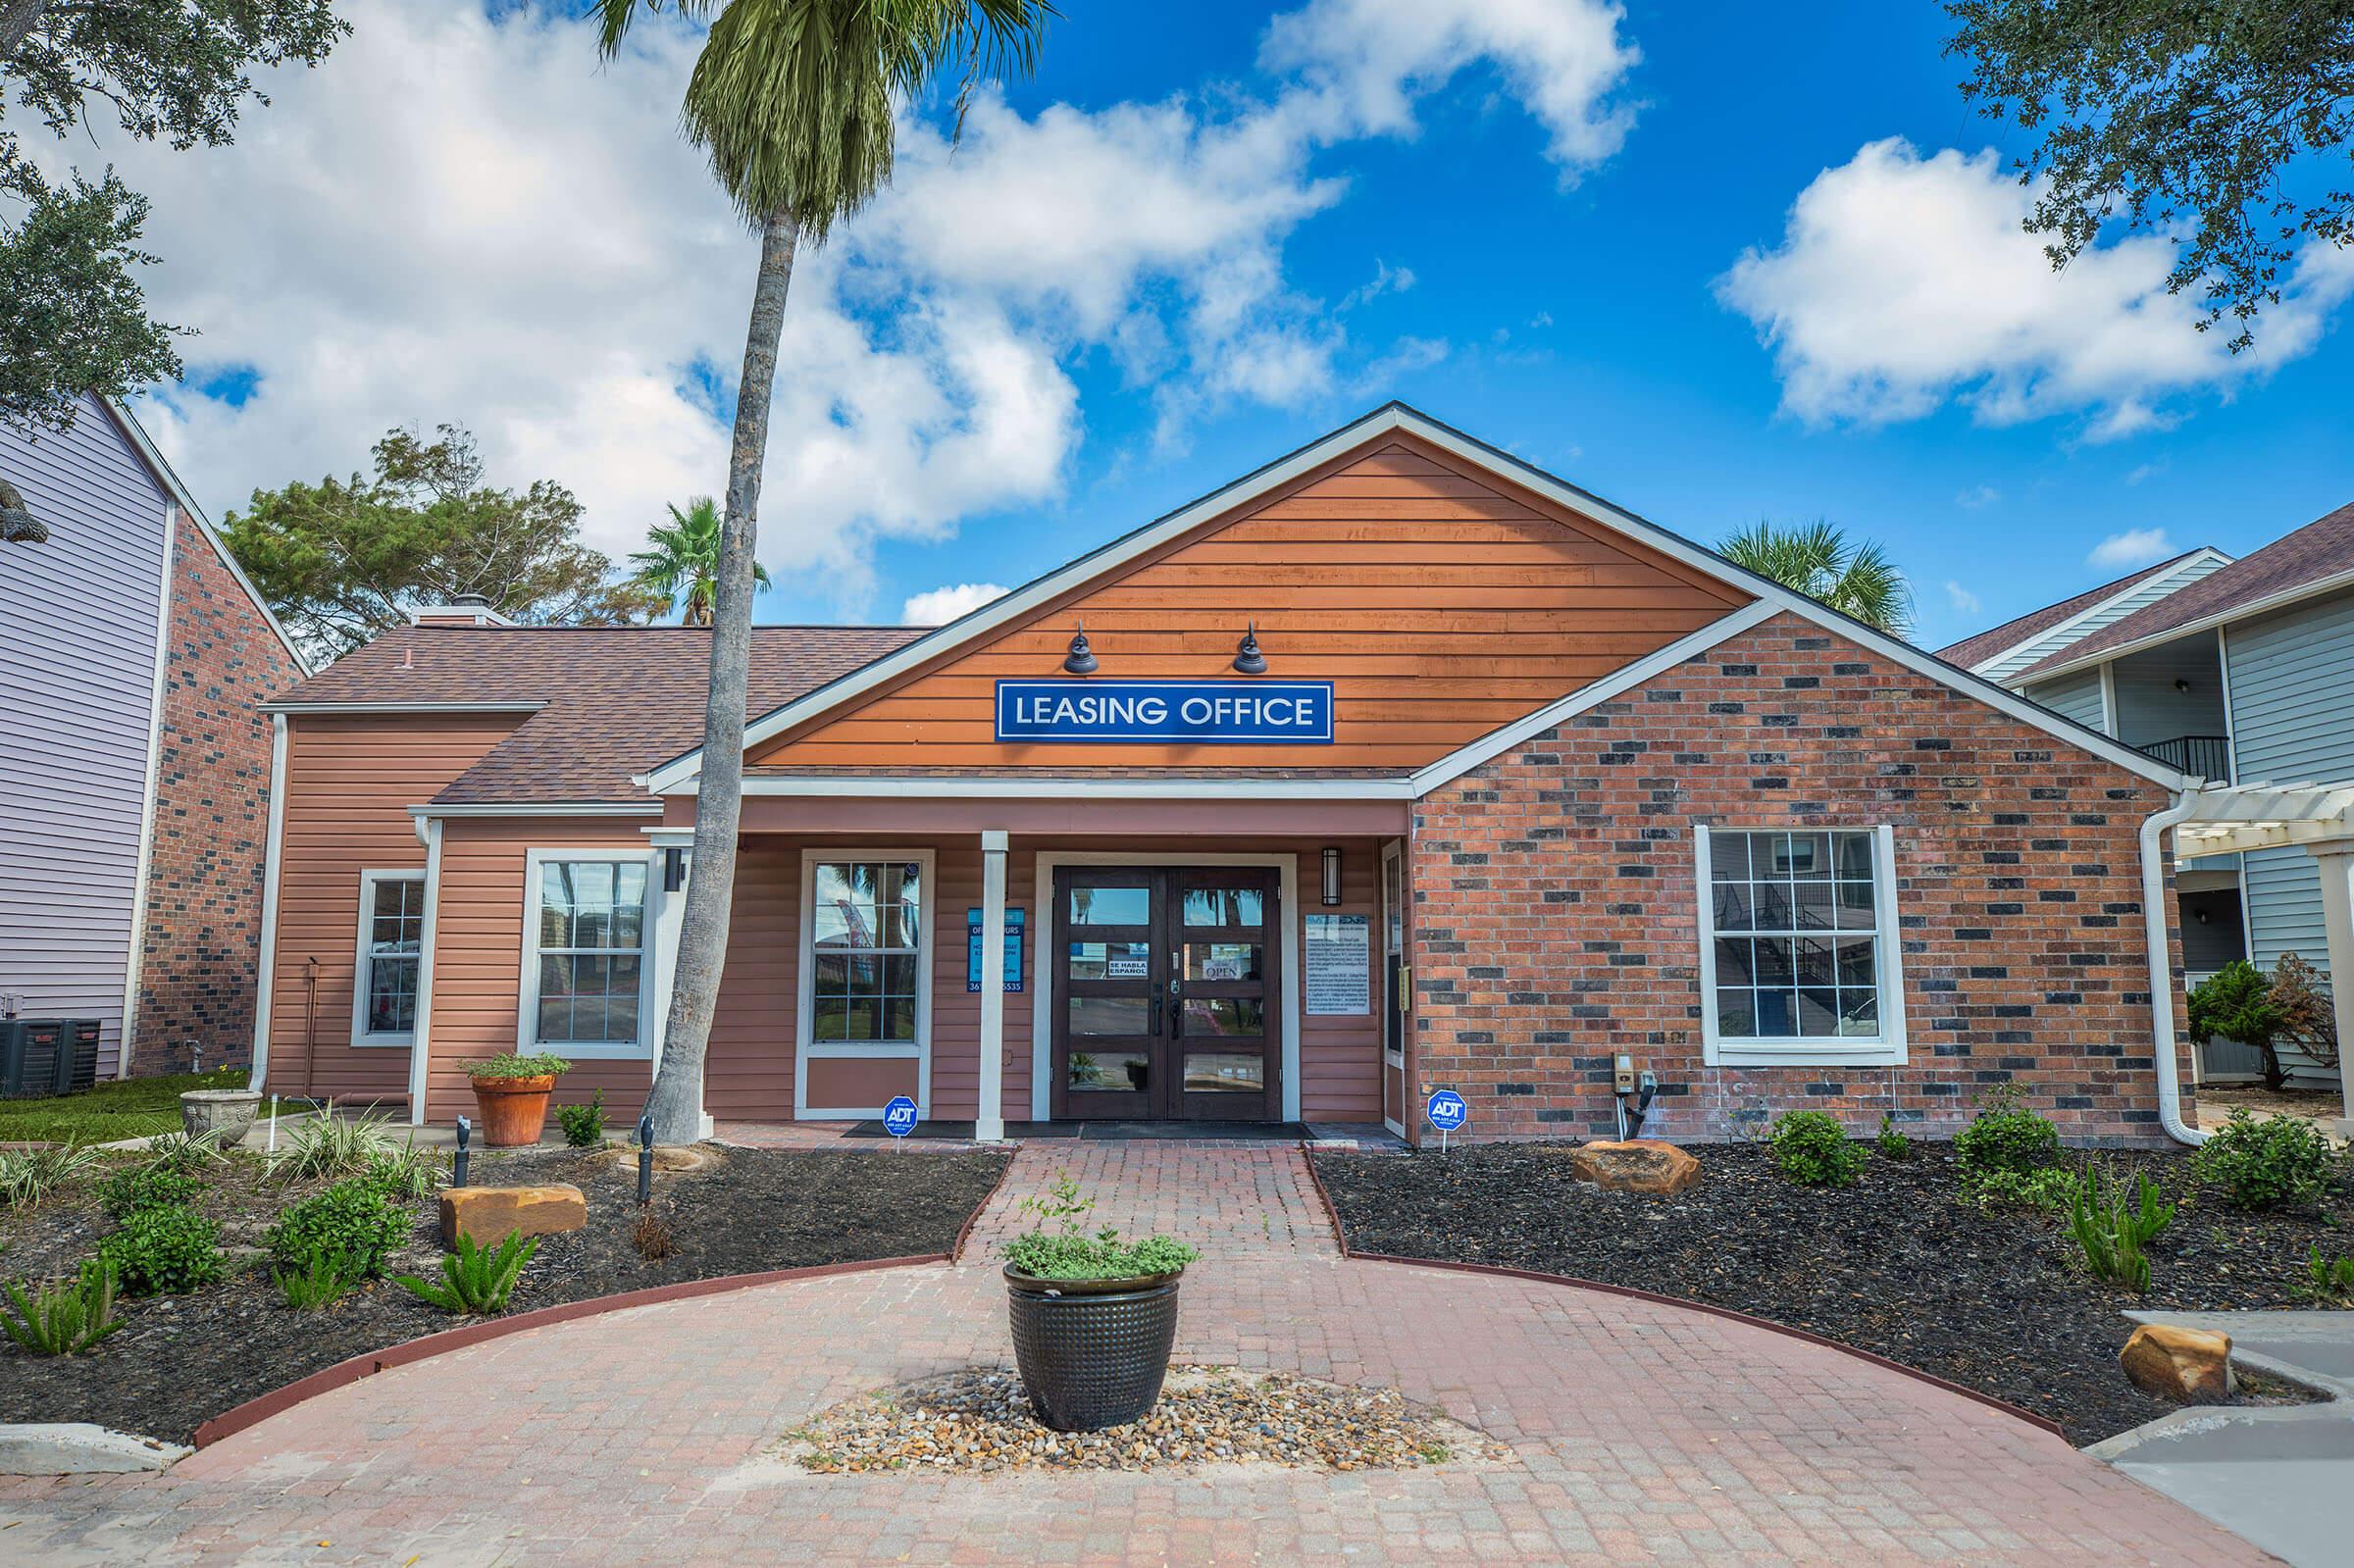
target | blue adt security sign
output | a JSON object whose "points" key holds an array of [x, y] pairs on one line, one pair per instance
{"points": [[1177, 711], [898, 1116], [1446, 1110]]}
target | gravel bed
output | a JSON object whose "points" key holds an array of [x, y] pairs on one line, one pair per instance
{"points": [[979, 1419], [179, 1360], [1898, 1264]]}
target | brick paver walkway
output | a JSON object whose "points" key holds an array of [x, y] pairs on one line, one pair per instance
{"points": [[1643, 1432]]}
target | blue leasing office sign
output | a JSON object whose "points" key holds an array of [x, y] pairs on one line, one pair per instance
{"points": [[898, 1116], [1175, 712]]}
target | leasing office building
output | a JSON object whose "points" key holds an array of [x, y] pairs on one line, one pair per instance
{"points": [[1396, 763]]}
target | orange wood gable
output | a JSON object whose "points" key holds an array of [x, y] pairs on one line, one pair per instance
{"points": [[1442, 602]]}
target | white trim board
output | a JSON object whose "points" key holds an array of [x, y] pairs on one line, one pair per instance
{"points": [[2247, 611], [527, 988], [927, 956], [399, 707], [134, 961], [361, 1036], [1046, 862], [2138, 584], [540, 808], [273, 869], [1393, 419]]}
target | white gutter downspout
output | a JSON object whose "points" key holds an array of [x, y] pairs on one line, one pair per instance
{"points": [[272, 868], [429, 833], [2155, 924]]}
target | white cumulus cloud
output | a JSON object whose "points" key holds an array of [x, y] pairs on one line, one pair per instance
{"points": [[1903, 282], [1963, 600], [2121, 552], [938, 606]]}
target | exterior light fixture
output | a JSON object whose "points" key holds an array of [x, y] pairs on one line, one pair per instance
{"points": [[1332, 876], [1081, 660], [674, 870], [1247, 658], [2182, 685]]}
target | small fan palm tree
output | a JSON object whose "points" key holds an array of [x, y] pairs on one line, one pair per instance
{"points": [[1822, 562], [684, 562], [794, 100]]}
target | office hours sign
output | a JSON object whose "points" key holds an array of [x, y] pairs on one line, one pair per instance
{"points": [[1337, 962]]}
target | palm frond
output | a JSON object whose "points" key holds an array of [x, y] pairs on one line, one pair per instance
{"points": [[1819, 560]]}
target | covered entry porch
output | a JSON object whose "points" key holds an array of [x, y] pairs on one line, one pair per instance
{"points": [[1213, 959]]}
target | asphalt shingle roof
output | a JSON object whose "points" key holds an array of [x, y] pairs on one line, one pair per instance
{"points": [[2323, 548], [2010, 633], [618, 700]]}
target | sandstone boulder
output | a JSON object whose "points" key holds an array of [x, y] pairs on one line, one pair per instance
{"points": [[489, 1215], [669, 1159], [2189, 1366], [1640, 1165]]}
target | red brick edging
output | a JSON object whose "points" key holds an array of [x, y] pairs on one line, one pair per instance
{"points": [[279, 1400], [1341, 1235], [964, 1231]]}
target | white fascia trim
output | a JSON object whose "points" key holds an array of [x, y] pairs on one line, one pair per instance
{"points": [[1386, 421], [539, 808], [941, 787], [135, 959], [2206, 623], [272, 868], [1496, 742], [398, 707], [2203, 553], [421, 1046], [154, 459]]}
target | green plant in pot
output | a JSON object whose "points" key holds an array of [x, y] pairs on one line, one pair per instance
{"points": [[1093, 1316], [511, 1092]]}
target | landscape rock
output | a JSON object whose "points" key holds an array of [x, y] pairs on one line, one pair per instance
{"points": [[489, 1215], [2189, 1366], [669, 1159], [1640, 1165]]}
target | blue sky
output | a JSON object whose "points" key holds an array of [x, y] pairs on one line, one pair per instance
{"points": [[1573, 297]]}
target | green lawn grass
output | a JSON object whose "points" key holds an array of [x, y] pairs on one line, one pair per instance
{"points": [[134, 1107]]}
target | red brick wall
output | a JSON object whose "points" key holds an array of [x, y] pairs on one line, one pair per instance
{"points": [[204, 876], [1556, 916]]}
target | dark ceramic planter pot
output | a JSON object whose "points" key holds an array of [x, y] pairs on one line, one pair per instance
{"points": [[1093, 1353]]}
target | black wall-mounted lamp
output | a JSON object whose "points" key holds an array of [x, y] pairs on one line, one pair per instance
{"points": [[2182, 685], [1332, 876], [674, 870], [1081, 660], [1247, 658]]}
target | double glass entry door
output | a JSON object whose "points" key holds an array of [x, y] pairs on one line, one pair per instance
{"points": [[1165, 993]]}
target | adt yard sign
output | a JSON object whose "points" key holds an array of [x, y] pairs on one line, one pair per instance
{"points": [[898, 1116], [1446, 1112], [1170, 711]]}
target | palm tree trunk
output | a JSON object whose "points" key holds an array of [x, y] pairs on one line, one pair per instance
{"points": [[17, 19], [677, 1101]]}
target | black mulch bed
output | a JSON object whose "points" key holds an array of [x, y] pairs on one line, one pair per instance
{"points": [[181, 1360], [1897, 1264]]}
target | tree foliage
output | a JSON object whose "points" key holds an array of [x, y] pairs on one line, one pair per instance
{"points": [[1819, 561], [172, 70], [2304, 1009], [343, 560], [2223, 125], [2235, 1003], [682, 563]]}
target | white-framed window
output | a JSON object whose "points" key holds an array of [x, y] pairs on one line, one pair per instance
{"points": [[1800, 964], [866, 958], [587, 951], [392, 947]]}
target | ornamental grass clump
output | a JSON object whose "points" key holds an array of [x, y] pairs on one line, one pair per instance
{"points": [[2276, 1162], [2329, 1282], [1811, 1148], [328, 1146], [66, 1317], [1069, 1252], [2113, 1234], [28, 1175]]}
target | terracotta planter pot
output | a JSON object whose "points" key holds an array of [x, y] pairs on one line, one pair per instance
{"points": [[514, 1109]]}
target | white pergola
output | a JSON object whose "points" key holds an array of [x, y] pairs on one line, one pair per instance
{"points": [[2317, 817]]}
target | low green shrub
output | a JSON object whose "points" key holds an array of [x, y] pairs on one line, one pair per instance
{"points": [[153, 1186], [1811, 1148], [2264, 1164], [510, 1065], [2328, 1281], [2112, 1235], [165, 1251], [2048, 1188], [320, 1281], [475, 1280], [2005, 1135], [28, 1175], [1892, 1144], [356, 1221], [583, 1125], [1070, 1252], [64, 1318]]}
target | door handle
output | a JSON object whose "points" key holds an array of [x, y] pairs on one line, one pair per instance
{"points": [[1156, 1010]]}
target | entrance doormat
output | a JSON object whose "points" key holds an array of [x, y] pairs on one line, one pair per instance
{"points": [[1110, 1131]]}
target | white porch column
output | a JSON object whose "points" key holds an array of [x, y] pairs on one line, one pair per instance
{"points": [[989, 1126], [2337, 863]]}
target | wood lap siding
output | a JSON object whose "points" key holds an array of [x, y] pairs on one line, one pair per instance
{"points": [[1442, 605], [350, 784], [477, 959]]}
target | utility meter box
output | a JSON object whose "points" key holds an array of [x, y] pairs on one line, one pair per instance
{"points": [[1624, 1077]]}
